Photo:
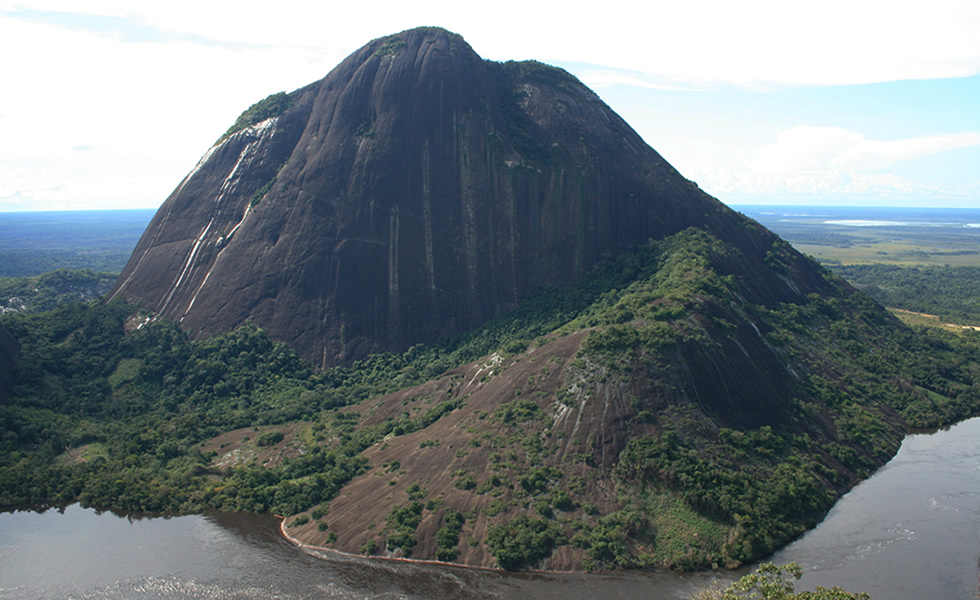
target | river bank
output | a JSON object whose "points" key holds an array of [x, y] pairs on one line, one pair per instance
{"points": [[909, 532]]}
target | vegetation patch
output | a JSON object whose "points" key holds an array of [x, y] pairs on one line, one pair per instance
{"points": [[447, 538], [403, 521], [389, 46], [271, 106], [518, 411], [523, 542], [772, 582]]}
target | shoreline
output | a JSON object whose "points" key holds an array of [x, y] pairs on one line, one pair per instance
{"points": [[418, 561]]}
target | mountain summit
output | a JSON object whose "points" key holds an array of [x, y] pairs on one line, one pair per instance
{"points": [[415, 192]]}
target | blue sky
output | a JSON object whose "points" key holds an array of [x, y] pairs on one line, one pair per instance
{"points": [[109, 103]]}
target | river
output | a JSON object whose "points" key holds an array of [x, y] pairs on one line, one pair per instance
{"points": [[912, 531]]}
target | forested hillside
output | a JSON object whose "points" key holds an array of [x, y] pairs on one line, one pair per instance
{"points": [[595, 426]]}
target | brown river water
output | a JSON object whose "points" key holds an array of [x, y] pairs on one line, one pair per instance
{"points": [[912, 531]]}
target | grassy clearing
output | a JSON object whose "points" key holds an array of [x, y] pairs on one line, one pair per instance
{"points": [[890, 252], [917, 319], [682, 532]]}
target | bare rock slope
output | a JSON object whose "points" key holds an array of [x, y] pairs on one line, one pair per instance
{"points": [[413, 193]]}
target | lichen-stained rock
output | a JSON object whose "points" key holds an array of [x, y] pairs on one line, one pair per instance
{"points": [[413, 193]]}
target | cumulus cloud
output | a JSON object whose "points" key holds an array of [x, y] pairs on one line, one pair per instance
{"points": [[875, 154], [816, 164], [806, 148]]}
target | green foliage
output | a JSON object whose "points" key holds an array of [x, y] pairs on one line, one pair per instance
{"points": [[45, 292], [300, 520], [952, 293], [539, 480], [404, 520], [369, 547], [389, 46], [447, 538], [612, 339], [769, 500], [416, 492], [521, 410], [523, 542], [538, 72], [270, 106], [465, 481], [515, 346], [262, 191], [606, 542], [649, 315], [270, 438], [146, 400], [772, 582]]}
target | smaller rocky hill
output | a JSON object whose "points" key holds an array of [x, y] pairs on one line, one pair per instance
{"points": [[652, 414], [672, 423]]}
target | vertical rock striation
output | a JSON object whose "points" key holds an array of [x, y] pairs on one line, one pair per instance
{"points": [[9, 349], [413, 193]]}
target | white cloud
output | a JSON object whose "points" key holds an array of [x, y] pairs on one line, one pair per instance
{"points": [[148, 110], [820, 164], [754, 42], [806, 148], [874, 154]]}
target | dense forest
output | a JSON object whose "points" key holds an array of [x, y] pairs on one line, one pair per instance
{"points": [[34, 243], [45, 292], [952, 293]]}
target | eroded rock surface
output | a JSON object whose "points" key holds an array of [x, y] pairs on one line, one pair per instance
{"points": [[413, 193]]}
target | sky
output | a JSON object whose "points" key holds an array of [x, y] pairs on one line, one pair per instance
{"points": [[107, 104]]}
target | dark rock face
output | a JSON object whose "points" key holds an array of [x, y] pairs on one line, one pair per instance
{"points": [[8, 360], [413, 193]]}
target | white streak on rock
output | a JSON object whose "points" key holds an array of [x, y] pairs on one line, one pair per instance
{"points": [[260, 131]]}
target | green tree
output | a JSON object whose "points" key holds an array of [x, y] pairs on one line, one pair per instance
{"points": [[772, 582], [523, 542]]}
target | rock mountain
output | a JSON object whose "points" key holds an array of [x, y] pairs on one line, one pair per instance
{"points": [[413, 193], [646, 377]]}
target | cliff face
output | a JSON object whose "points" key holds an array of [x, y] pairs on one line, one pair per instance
{"points": [[413, 193], [8, 360]]}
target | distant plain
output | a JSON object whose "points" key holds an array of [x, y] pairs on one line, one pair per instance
{"points": [[836, 235]]}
